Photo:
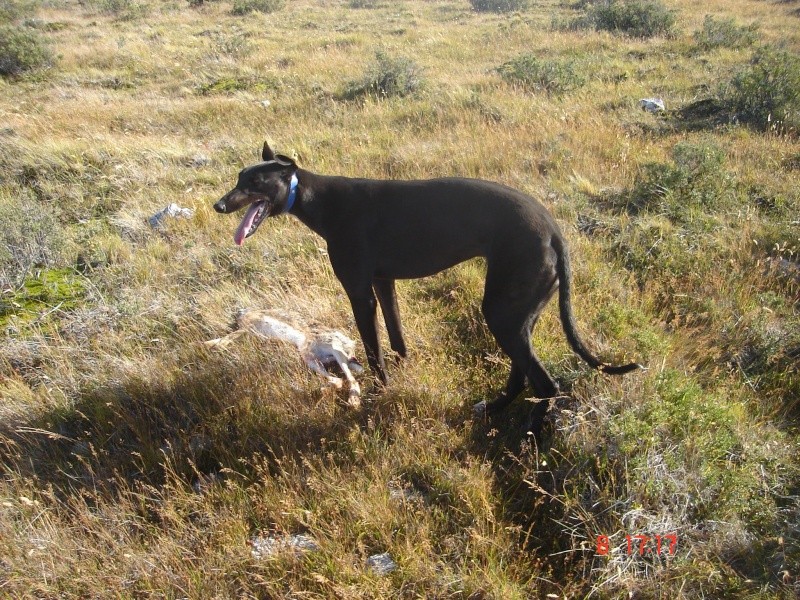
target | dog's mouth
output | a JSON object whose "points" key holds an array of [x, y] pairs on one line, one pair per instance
{"points": [[255, 214]]}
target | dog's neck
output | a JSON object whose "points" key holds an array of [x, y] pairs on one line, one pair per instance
{"points": [[307, 205]]}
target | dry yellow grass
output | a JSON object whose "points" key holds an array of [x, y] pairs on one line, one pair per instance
{"points": [[136, 463]]}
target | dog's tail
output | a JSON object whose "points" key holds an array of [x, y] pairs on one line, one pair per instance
{"points": [[568, 321]]}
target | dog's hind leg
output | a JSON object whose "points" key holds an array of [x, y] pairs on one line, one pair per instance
{"points": [[387, 297], [513, 300]]}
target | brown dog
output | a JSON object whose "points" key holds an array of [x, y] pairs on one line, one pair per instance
{"points": [[381, 230]]}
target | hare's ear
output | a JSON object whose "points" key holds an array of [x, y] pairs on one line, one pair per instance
{"points": [[267, 153]]}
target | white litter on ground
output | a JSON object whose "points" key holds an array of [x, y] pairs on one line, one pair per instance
{"points": [[652, 105], [173, 211]]}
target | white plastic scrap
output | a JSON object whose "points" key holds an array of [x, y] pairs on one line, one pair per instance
{"points": [[652, 105], [173, 211]]}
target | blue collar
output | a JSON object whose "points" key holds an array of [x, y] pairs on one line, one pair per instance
{"points": [[292, 193]]}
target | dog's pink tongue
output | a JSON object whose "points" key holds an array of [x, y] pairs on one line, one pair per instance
{"points": [[246, 224]]}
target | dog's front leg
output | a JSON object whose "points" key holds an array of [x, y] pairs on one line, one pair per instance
{"points": [[365, 312]]}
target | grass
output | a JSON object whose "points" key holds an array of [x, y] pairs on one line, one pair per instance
{"points": [[134, 462]]}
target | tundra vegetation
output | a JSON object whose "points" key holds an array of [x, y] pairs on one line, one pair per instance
{"points": [[135, 462]]}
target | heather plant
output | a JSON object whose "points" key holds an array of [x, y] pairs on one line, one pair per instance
{"points": [[696, 178], [634, 18], [766, 92], [537, 74], [387, 76], [22, 51], [724, 33], [499, 6], [243, 7]]}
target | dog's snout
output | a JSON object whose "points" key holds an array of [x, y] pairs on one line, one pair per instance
{"points": [[231, 202]]}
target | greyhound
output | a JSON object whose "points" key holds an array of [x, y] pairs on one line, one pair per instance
{"points": [[378, 231]]}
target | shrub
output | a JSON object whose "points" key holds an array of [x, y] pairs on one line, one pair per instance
{"points": [[499, 6], [245, 7], [636, 18], [387, 76], [556, 77], [14, 10], [766, 93], [233, 46], [30, 236], [21, 51], [724, 33], [697, 178], [121, 9]]}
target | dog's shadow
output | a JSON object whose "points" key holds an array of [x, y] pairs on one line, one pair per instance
{"points": [[205, 423], [201, 423]]}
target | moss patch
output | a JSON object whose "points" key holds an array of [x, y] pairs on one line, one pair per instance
{"points": [[47, 291]]}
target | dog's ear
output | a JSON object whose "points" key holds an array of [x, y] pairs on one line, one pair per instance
{"points": [[285, 160], [267, 153]]}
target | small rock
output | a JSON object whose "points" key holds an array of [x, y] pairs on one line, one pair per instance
{"points": [[381, 564], [172, 211], [266, 546], [265, 103], [199, 160], [652, 105]]}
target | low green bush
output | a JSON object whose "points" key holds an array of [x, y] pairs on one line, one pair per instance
{"points": [[552, 76], [30, 236], [15, 10], [245, 7], [766, 93], [22, 51], [697, 178], [126, 10], [635, 18], [499, 6], [724, 33], [387, 76]]}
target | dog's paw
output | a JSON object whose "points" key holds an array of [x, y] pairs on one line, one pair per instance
{"points": [[479, 410]]}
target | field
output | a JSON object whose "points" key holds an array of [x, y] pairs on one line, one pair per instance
{"points": [[136, 462]]}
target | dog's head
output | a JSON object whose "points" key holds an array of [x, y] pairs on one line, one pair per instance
{"points": [[265, 190]]}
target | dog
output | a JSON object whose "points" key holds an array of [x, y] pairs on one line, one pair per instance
{"points": [[320, 349], [378, 231]]}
